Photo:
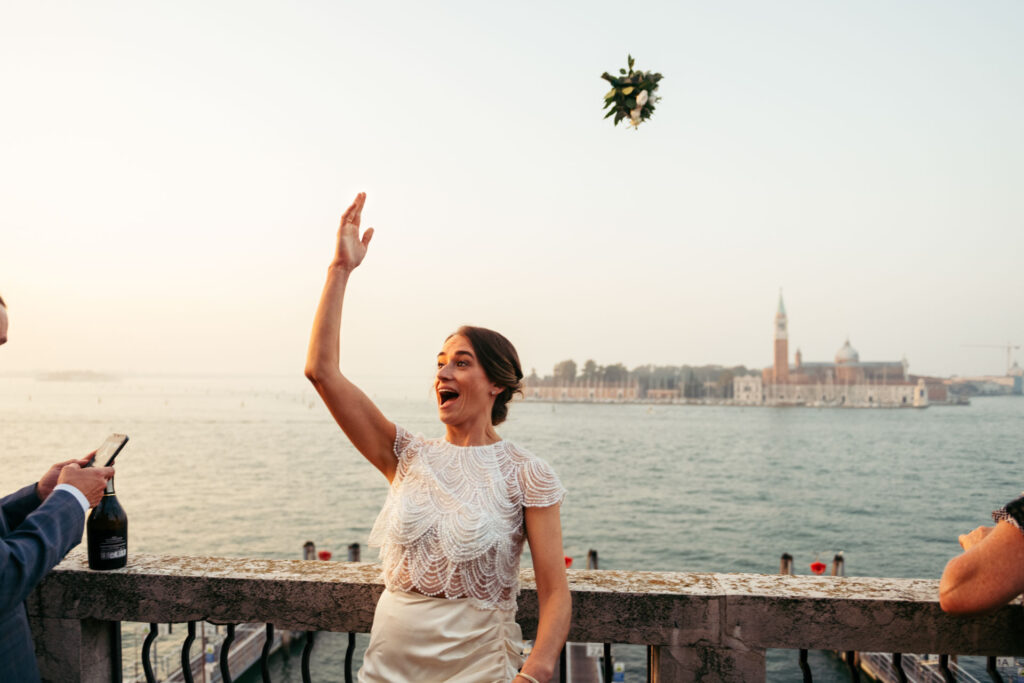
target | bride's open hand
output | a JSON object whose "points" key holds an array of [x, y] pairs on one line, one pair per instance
{"points": [[351, 248]]}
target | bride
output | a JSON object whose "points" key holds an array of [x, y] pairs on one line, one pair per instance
{"points": [[458, 510]]}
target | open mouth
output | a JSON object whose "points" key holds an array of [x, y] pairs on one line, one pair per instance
{"points": [[446, 395]]}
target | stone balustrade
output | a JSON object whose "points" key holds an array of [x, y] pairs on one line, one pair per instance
{"points": [[711, 627]]}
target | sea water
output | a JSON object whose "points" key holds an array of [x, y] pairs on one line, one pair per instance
{"points": [[255, 466]]}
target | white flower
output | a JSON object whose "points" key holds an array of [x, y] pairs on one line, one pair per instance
{"points": [[641, 99], [634, 117]]}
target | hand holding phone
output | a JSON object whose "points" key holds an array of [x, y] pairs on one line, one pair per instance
{"points": [[109, 449]]}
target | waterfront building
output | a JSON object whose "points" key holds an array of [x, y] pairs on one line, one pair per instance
{"points": [[846, 382], [582, 390], [1012, 383]]}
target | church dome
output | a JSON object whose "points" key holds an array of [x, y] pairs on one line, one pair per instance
{"points": [[847, 354]]}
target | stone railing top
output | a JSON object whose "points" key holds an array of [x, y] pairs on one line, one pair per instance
{"points": [[754, 610], [693, 584]]}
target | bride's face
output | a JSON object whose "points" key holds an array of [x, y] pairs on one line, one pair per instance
{"points": [[464, 392]]}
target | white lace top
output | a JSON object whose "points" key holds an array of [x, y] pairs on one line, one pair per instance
{"points": [[452, 523]]}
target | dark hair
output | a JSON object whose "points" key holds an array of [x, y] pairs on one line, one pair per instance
{"points": [[500, 363], [2, 302]]}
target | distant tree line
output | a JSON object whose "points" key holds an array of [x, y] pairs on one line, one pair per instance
{"points": [[692, 381]]}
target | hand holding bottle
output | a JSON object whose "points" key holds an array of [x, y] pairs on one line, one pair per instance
{"points": [[91, 481]]}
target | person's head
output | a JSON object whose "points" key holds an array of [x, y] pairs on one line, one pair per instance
{"points": [[3, 321], [478, 371]]}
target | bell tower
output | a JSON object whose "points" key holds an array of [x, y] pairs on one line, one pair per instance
{"points": [[780, 370]]}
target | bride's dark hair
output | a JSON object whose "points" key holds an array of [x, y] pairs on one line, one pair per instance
{"points": [[500, 362]]}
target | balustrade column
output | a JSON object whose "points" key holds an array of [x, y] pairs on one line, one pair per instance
{"points": [[709, 664], [73, 650]]}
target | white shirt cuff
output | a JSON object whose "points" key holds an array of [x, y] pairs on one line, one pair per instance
{"points": [[82, 500]]}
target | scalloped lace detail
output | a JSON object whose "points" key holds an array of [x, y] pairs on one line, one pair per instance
{"points": [[452, 523]]}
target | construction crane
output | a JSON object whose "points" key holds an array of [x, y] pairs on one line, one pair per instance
{"points": [[1009, 346]]}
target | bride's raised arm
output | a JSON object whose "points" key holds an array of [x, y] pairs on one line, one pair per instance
{"points": [[363, 423]]}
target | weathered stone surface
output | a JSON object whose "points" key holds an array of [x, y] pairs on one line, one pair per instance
{"points": [[702, 662], [858, 613], [624, 610], [294, 594], [739, 613], [69, 650]]}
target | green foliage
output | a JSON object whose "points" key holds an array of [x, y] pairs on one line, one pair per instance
{"points": [[693, 388], [621, 100], [690, 380], [565, 372], [613, 374]]}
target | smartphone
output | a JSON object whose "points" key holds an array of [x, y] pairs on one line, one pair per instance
{"points": [[109, 449]]}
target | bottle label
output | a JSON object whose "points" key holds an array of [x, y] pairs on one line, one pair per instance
{"points": [[113, 548]]}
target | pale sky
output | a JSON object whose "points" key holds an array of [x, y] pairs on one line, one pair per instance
{"points": [[171, 177]]}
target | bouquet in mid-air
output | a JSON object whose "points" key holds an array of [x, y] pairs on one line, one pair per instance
{"points": [[632, 95]]}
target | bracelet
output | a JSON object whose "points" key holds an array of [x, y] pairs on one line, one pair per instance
{"points": [[528, 677]]}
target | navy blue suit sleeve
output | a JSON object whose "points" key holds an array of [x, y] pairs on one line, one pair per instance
{"points": [[17, 506], [37, 544]]}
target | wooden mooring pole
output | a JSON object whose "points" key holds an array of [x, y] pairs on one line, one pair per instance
{"points": [[838, 565], [786, 564]]}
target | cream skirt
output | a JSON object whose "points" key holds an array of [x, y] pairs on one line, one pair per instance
{"points": [[419, 639]]}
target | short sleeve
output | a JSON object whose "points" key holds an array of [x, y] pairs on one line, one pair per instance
{"points": [[1012, 513], [403, 440], [540, 485]]}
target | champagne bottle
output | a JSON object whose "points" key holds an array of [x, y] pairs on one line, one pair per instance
{"points": [[107, 531]]}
